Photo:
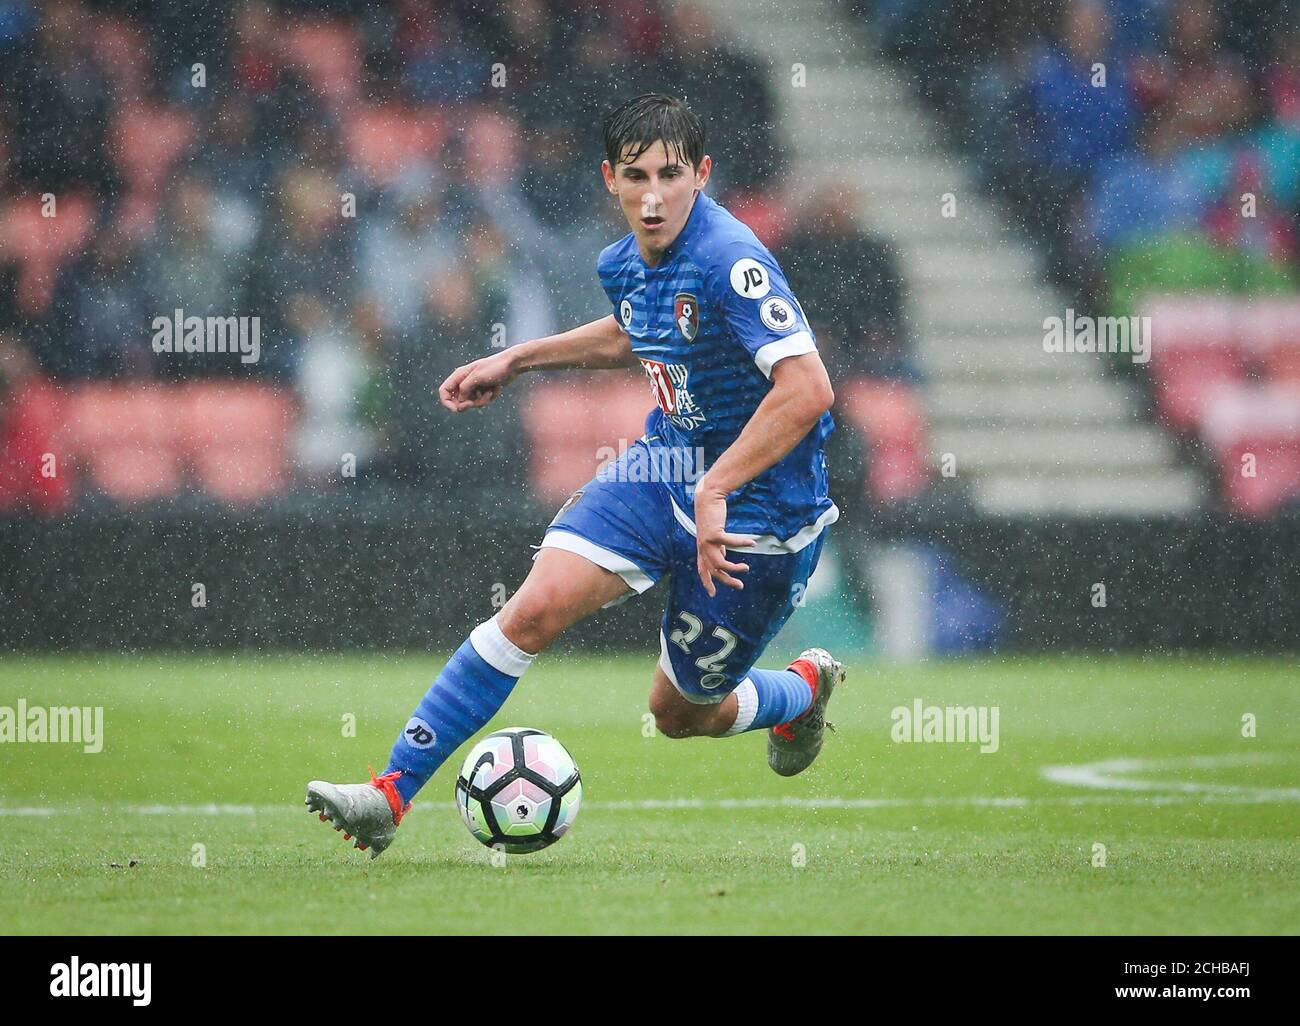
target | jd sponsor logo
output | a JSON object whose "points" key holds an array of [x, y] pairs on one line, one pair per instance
{"points": [[951, 724], [419, 734], [102, 979], [77, 725]]}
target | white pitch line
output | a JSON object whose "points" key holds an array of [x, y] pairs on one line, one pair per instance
{"points": [[1103, 776], [662, 804], [1110, 775]]}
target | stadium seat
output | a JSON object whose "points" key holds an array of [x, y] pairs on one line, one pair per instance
{"points": [[1196, 350], [1271, 328], [1276, 480], [109, 415], [30, 424], [1268, 323], [328, 53], [1191, 321], [890, 416], [236, 437], [1262, 423], [765, 213], [130, 474], [241, 475], [570, 420], [382, 142], [125, 438], [40, 244], [1185, 380], [1283, 364], [122, 52], [148, 141]]}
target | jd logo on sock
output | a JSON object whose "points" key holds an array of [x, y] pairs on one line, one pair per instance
{"points": [[419, 734]]}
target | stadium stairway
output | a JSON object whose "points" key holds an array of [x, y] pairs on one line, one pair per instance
{"points": [[1031, 432]]}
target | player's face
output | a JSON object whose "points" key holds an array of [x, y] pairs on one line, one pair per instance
{"points": [[655, 192]]}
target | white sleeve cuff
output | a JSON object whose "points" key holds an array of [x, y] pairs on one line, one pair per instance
{"points": [[774, 352]]}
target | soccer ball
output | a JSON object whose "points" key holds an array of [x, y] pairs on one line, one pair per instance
{"points": [[518, 790]]}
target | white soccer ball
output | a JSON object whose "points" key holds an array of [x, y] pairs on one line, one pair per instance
{"points": [[518, 790]]}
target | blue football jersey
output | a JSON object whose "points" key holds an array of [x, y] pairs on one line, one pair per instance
{"points": [[708, 324]]}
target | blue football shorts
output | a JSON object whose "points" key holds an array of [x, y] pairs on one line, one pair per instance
{"points": [[629, 525]]}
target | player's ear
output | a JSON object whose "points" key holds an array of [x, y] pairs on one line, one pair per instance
{"points": [[607, 173], [702, 172]]}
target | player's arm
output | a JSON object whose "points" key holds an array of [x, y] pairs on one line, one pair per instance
{"points": [[599, 345], [800, 394]]}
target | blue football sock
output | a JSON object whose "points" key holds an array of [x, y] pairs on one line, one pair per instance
{"points": [[768, 697], [470, 689]]}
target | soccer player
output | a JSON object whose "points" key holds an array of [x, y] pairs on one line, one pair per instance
{"points": [[702, 307]]}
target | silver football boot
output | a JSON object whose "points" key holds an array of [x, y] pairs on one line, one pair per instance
{"points": [[792, 747], [368, 814]]}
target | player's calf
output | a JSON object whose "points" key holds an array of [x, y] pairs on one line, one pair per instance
{"points": [[677, 718]]}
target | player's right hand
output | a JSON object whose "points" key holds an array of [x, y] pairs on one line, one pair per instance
{"points": [[712, 542], [477, 384]]}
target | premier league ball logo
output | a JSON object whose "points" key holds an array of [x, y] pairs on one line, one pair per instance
{"points": [[686, 313]]}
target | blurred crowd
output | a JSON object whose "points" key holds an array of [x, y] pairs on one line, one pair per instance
{"points": [[1147, 144], [392, 188]]}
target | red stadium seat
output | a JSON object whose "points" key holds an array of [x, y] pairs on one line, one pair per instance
{"points": [[1196, 350], [125, 437], [41, 244], [1264, 424], [237, 436], [225, 414], [1269, 323], [766, 214], [122, 52], [1271, 327], [136, 440], [1277, 476], [148, 141], [1186, 379], [570, 421], [328, 53], [1283, 364], [110, 416], [241, 475], [30, 423], [890, 416], [382, 142], [130, 474], [1192, 322]]}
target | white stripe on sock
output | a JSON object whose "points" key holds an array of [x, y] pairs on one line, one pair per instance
{"points": [[498, 651], [746, 707]]}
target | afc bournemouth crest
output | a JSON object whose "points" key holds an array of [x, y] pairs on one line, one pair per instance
{"points": [[569, 503], [686, 312]]}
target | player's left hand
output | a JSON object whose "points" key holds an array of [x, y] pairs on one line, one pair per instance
{"points": [[712, 541]]}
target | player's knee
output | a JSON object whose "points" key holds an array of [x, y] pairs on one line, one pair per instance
{"points": [[530, 621], [675, 725], [672, 720]]}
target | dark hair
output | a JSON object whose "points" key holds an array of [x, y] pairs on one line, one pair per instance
{"points": [[649, 118]]}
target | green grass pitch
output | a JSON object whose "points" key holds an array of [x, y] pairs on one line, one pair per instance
{"points": [[693, 836]]}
